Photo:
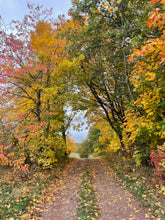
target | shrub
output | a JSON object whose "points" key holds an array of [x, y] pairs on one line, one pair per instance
{"points": [[158, 160]]}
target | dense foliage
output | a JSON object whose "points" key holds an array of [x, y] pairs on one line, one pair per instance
{"points": [[89, 145], [34, 94], [107, 59]]}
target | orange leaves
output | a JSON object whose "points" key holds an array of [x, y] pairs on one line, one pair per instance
{"points": [[147, 78], [156, 1], [137, 52], [163, 2], [163, 35], [156, 47], [131, 59], [154, 19], [152, 52]]}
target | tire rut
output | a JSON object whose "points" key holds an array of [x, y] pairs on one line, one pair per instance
{"points": [[114, 201], [64, 202]]}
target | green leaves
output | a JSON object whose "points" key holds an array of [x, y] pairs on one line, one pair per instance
{"points": [[92, 143], [106, 34]]}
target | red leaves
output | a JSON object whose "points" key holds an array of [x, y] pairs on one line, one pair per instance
{"points": [[158, 159]]}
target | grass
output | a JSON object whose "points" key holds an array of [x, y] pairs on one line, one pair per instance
{"points": [[19, 194], [87, 201], [140, 180]]}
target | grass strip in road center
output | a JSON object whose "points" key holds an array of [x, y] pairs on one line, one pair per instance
{"points": [[87, 201]]}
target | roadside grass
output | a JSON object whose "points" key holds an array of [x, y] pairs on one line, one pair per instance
{"points": [[141, 181], [87, 201], [19, 194]]}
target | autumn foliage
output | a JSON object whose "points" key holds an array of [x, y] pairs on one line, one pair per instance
{"points": [[101, 61], [34, 91], [145, 119]]}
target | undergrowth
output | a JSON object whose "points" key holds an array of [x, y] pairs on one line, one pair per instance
{"points": [[19, 194]]}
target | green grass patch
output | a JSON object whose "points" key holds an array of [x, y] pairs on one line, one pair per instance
{"points": [[87, 201], [19, 195]]}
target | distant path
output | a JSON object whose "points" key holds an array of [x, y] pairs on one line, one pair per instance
{"points": [[115, 202], [75, 155]]}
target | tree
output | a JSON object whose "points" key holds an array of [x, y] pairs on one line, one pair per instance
{"points": [[109, 140], [146, 127], [36, 88], [106, 33], [89, 145]]}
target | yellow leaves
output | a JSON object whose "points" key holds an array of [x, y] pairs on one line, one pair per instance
{"points": [[150, 76], [71, 144], [147, 79], [36, 201], [42, 38], [162, 190], [163, 2], [81, 57], [111, 7], [96, 214], [105, 4], [50, 153], [47, 47], [49, 93], [147, 215], [144, 196], [108, 138], [66, 66], [136, 123]]}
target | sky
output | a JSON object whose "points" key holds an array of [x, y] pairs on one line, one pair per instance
{"points": [[81, 135], [16, 9]]}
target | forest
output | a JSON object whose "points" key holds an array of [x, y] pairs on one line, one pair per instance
{"points": [[106, 59]]}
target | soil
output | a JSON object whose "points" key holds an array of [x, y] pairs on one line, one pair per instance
{"points": [[114, 201]]}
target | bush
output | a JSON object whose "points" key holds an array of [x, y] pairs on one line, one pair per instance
{"points": [[158, 160]]}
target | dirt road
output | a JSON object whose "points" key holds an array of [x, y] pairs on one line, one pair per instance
{"points": [[114, 202]]}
